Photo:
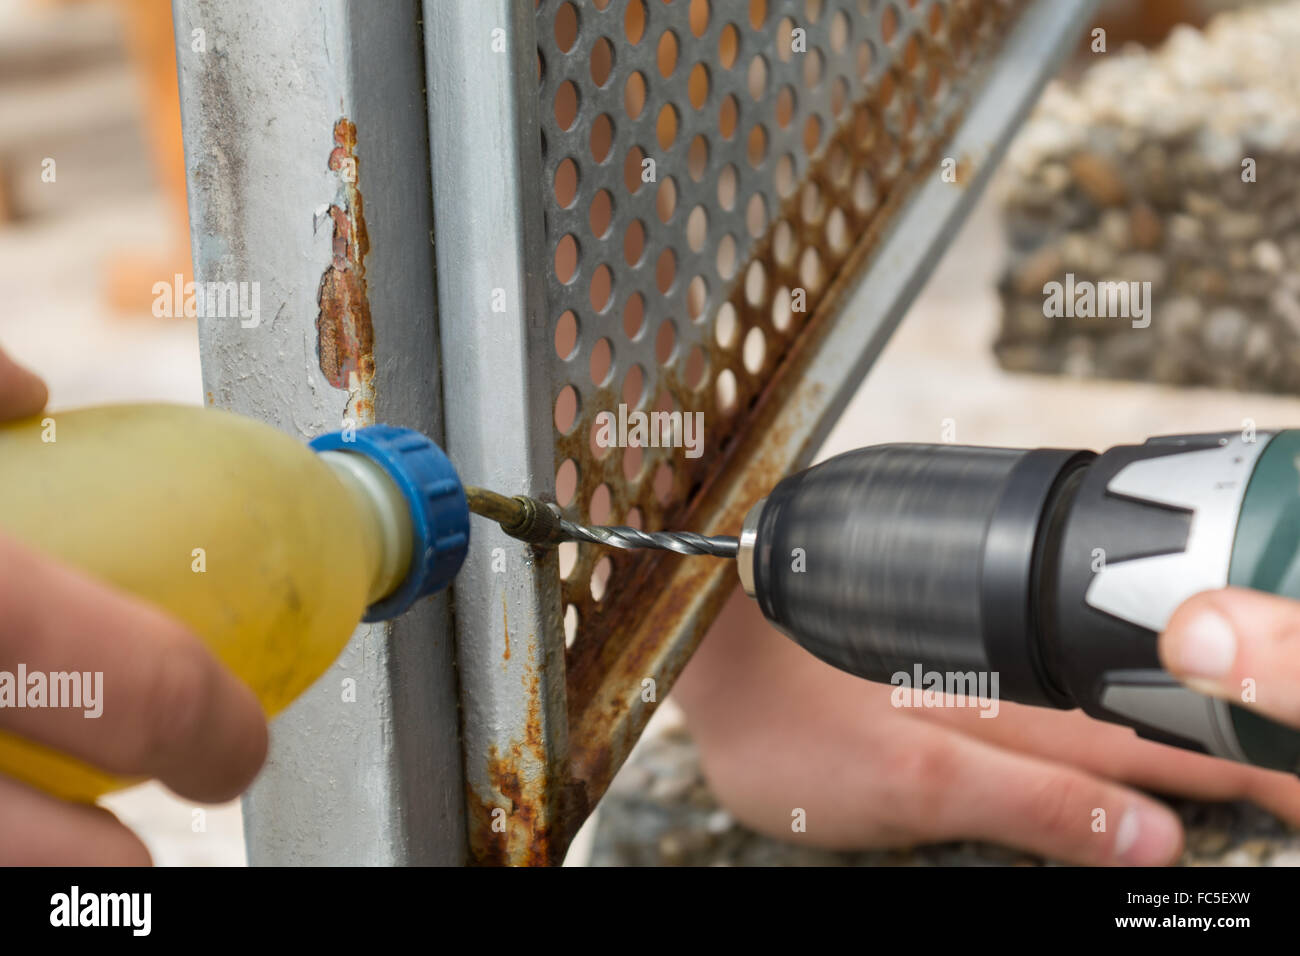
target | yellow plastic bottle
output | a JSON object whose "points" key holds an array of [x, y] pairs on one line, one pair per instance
{"points": [[269, 550]]}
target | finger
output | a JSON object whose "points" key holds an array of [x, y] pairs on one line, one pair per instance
{"points": [[21, 392], [1241, 645], [1046, 808], [37, 830], [169, 709], [874, 776], [1118, 753]]}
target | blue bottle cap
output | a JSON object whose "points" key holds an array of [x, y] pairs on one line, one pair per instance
{"points": [[435, 497]]}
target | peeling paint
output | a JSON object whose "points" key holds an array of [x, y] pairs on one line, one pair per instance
{"points": [[344, 332]]}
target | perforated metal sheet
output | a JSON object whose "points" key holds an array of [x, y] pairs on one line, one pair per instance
{"points": [[709, 166]]}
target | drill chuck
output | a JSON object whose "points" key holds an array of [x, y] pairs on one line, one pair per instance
{"points": [[1052, 569]]}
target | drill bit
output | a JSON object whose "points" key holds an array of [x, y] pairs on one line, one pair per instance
{"points": [[540, 523], [683, 542]]}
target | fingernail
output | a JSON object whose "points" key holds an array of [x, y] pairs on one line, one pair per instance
{"points": [[1147, 836], [1207, 648]]}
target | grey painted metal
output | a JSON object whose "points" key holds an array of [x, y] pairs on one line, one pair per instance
{"points": [[376, 781], [491, 250]]}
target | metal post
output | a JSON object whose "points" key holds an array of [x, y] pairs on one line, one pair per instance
{"points": [[491, 249], [307, 156]]}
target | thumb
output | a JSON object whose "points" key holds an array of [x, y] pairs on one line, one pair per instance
{"points": [[1241, 645]]}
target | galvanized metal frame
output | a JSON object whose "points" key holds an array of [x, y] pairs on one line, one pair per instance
{"points": [[542, 729], [294, 111]]}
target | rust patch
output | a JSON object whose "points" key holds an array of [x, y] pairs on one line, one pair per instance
{"points": [[525, 819], [965, 171], [344, 332]]}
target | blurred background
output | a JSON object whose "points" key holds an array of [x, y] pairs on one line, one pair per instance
{"points": [[1118, 174]]}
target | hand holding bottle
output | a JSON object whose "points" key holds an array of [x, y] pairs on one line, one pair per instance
{"points": [[170, 709]]}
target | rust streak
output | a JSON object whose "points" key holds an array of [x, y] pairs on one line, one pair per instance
{"points": [[344, 332], [505, 625], [537, 815]]}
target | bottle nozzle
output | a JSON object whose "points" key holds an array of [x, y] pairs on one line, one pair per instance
{"points": [[419, 504]]}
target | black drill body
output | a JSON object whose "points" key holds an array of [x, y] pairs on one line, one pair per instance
{"points": [[965, 560]]}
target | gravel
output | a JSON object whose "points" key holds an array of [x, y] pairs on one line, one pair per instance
{"points": [[1135, 174]]}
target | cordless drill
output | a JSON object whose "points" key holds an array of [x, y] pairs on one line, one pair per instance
{"points": [[1053, 569]]}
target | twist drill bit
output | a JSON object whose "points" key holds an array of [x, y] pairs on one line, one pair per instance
{"points": [[540, 523], [683, 542]]}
